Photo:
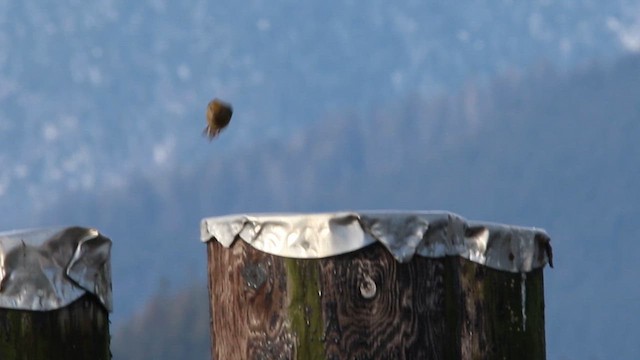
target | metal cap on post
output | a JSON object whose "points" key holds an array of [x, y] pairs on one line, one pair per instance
{"points": [[368, 285], [55, 294]]}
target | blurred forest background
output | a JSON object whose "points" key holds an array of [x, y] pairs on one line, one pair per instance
{"points": [[521, 113], [559, 152]]}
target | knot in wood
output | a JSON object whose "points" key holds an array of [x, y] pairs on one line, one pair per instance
{"points": [[254, 275], [367, 287]]}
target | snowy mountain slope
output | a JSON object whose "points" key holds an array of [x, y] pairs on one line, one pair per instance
{"points": [[544, 149], [93, 93]]}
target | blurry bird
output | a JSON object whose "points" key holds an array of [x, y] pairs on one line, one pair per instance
{"points": [[218, 117]]}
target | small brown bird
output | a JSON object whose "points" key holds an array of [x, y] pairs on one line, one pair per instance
{"points": [[218, 117]]}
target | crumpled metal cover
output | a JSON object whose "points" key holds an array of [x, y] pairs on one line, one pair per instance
{"points": [[404, 234], [47, 269]]}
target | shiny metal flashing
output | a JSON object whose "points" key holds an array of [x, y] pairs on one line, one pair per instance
{"points": [[404, 234], [47, 269]]}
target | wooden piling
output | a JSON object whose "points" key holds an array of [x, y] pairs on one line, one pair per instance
{"points": [[55, 294], [366, 305], [78, 331]]}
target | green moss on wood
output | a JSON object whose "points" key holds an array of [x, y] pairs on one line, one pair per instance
{"points": [[305, 310], [77, 331]]}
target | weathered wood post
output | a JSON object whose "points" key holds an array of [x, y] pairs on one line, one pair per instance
{"points": [[55, 294], [373, 285]]}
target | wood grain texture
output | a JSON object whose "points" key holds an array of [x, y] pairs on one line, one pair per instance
{"points": [[375, 307], [76, 332], [493, 324], [248, 295], [366, 305]]}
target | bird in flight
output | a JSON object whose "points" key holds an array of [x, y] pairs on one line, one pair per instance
{"points": [[218, 117]]}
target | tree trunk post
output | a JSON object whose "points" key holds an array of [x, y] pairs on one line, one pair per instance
{"points": [[374, 286], [55, 294]]}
